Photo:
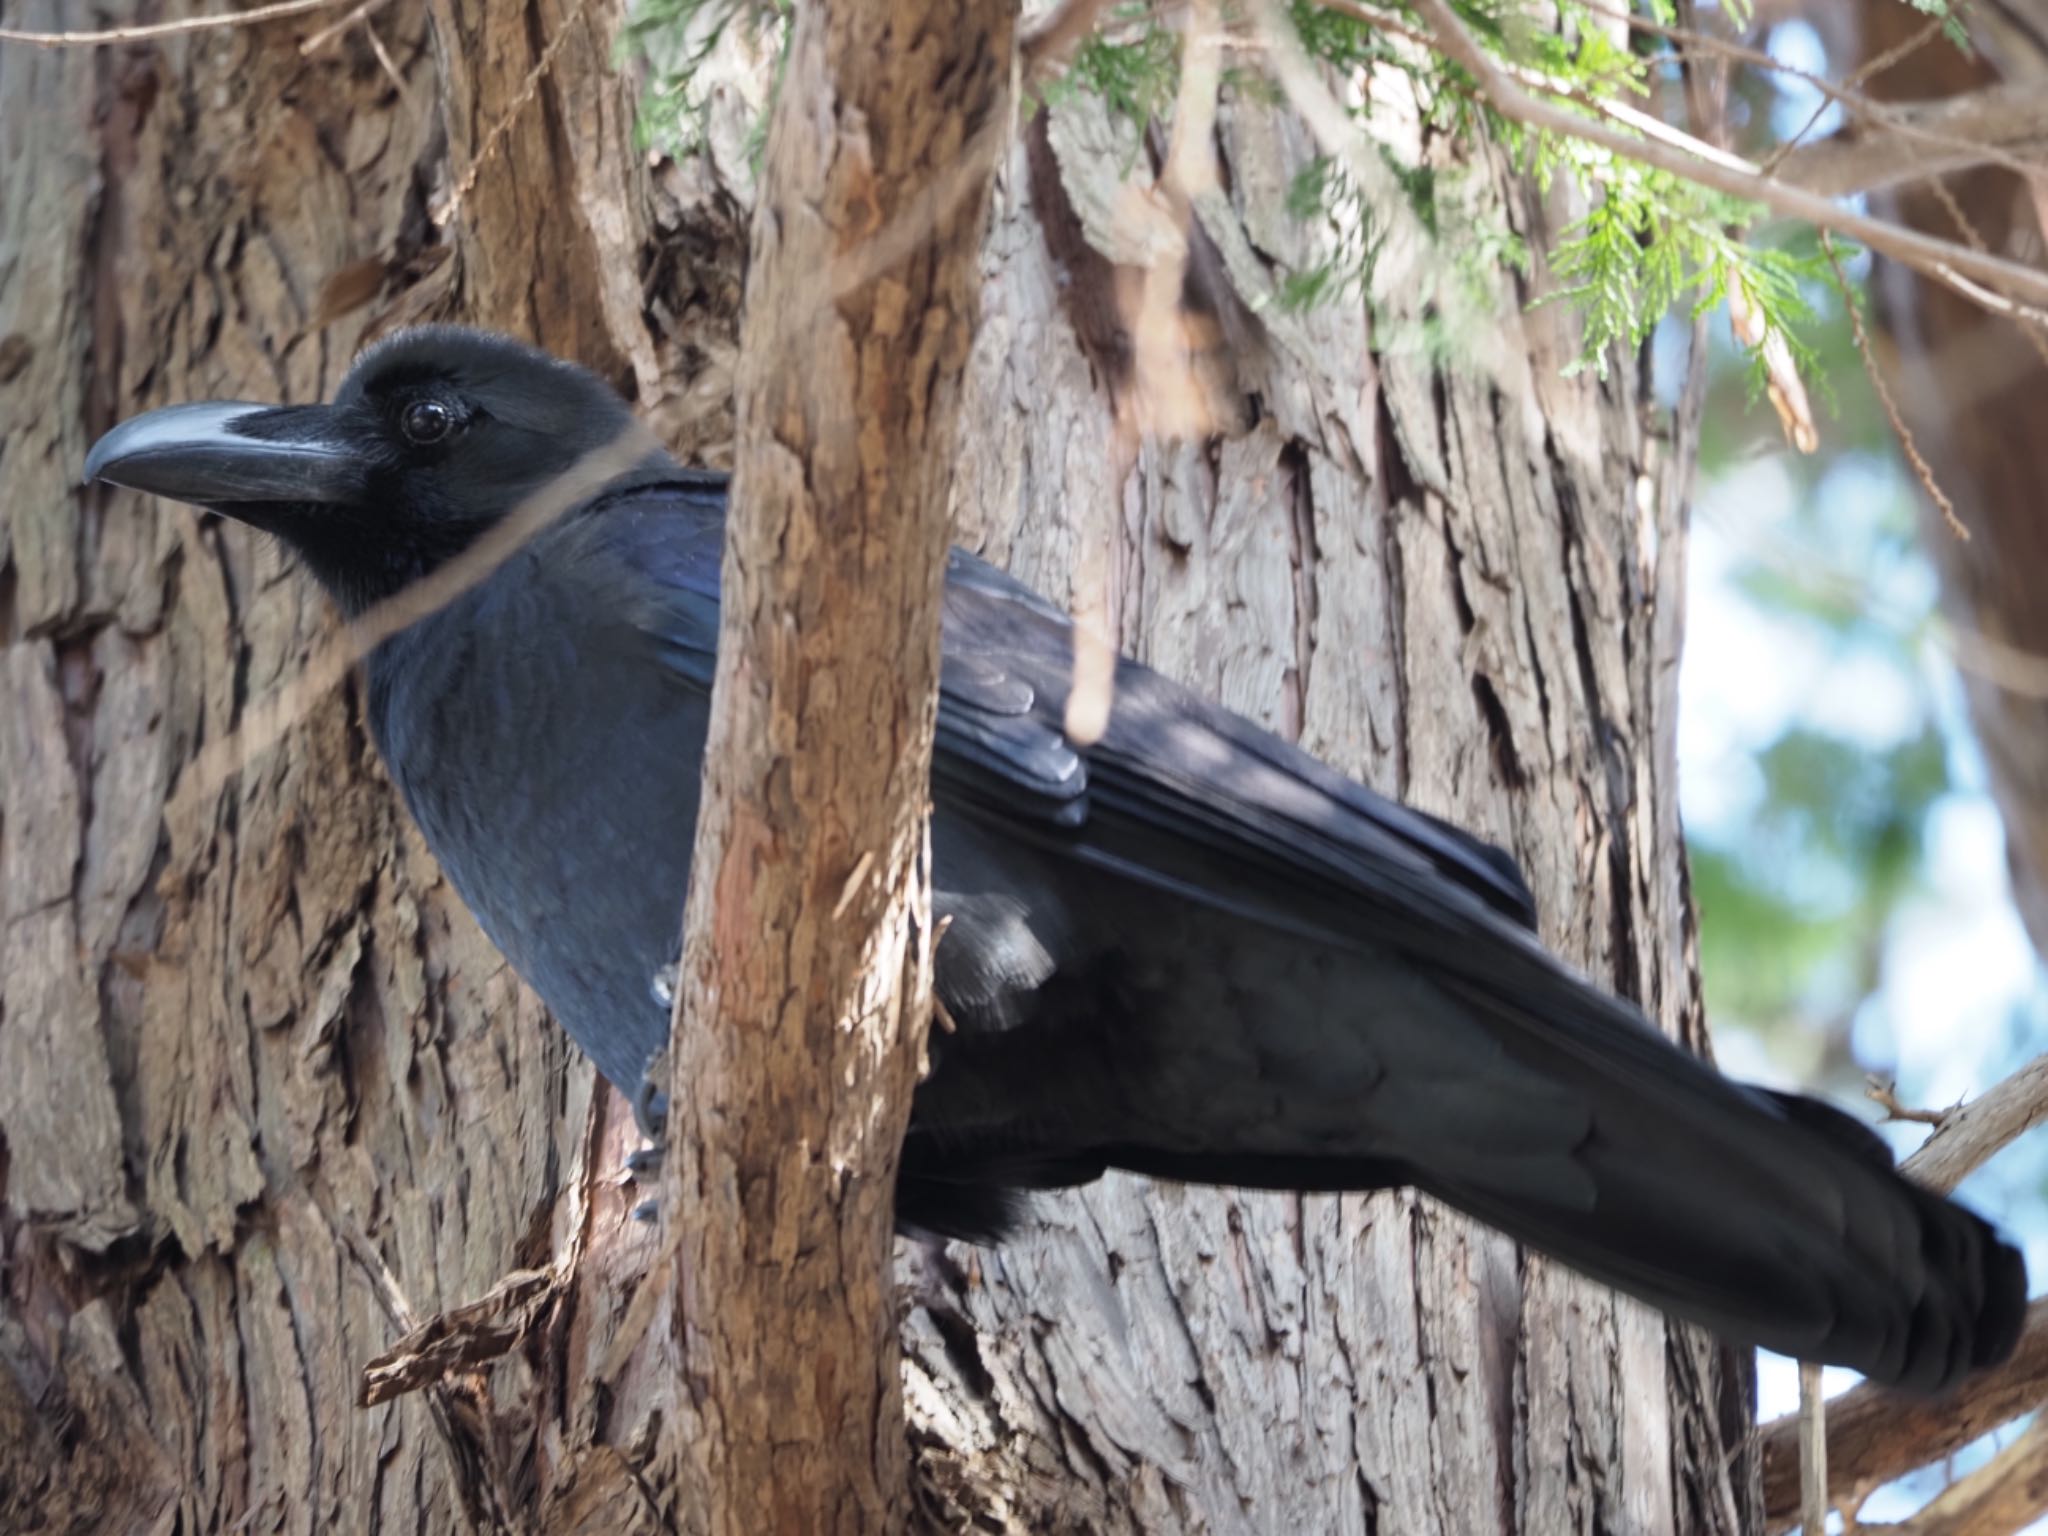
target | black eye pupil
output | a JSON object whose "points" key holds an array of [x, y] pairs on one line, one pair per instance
{"points": [[427, 421]]}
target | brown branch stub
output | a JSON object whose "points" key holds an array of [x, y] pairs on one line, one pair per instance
{"points": [[1875, 1436], [803, 988], [1884, 1093]]}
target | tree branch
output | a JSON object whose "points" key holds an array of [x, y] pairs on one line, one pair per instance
{"points": [[1991, 281], [807, 943], [1875, 1435], [1968, 1135], [1923, 139]]}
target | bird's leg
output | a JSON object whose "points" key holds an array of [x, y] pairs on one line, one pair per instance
{"points": [[650, 1111]]}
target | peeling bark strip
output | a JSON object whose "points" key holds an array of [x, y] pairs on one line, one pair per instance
{"points": [[807, 942]]}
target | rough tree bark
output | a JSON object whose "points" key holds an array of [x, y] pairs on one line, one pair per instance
{"points": [[268, 1100], [808, 947]]}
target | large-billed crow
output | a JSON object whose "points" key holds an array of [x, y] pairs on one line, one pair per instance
{"points": [[1188, 949]]}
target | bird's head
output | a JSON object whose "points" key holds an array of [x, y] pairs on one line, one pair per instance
{"points": [[434, 435]]}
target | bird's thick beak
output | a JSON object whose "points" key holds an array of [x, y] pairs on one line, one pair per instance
{"points": [[223, 453]]}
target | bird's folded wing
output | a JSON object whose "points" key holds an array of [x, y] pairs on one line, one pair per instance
{"points": [[1178, 791]]}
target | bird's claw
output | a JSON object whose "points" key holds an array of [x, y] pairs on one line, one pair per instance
{"points": [[643, 1162]]}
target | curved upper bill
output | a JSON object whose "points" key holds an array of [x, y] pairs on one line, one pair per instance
{"points": [[205, 454]]}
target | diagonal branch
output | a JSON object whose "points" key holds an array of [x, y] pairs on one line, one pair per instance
{"points": [[156, 29]]}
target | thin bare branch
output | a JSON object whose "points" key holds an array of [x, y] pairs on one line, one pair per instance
{"points": [[1974, 274], [156, 29], [1908, 445], [361, 13], [1902, 120], [1875, 1436], [1966, 1137], [496, 137], [264, 724], [1813, 1452]]}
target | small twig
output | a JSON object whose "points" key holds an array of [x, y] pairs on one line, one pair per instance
{"points": [[1615, 110], [156, 29], [1908, 121], [1813, 1452], [496, 137], [1922, 470], [1906, 47], [1960, 268], [384, 58], [1869, 67], [1884, 1094]]}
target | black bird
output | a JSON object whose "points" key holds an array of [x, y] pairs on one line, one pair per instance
{"points": [[1188, 949]]}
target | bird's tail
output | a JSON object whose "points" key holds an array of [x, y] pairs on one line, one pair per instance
{"points": [[1771, 1218], [1805, 1241]]}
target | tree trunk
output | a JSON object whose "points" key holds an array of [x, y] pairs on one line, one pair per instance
{"points": [[808, 946], [269, 1100]]}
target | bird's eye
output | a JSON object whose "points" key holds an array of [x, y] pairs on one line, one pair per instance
{"points": [[426, 421]]}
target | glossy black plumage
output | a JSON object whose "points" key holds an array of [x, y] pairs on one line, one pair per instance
{"points": [[1188, 949]]}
